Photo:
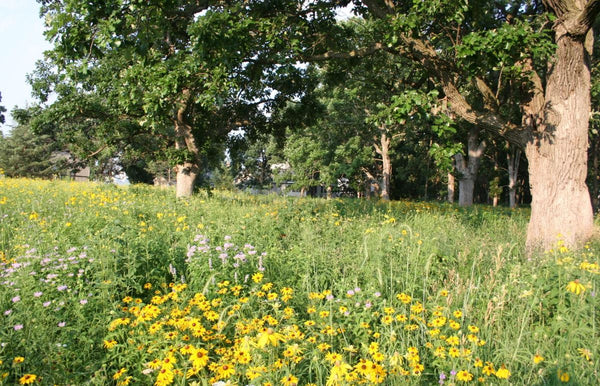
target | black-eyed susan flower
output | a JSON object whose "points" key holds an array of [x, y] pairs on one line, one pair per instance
{"points": [[464, 376], [575, 287], [289, 380], [502, 372], [537, 358], [27, 379]]}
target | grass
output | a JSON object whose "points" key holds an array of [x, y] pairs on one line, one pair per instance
{"points": [[116, 285]]}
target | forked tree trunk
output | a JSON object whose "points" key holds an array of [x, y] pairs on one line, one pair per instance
{"points": [[513, 157], [557, 156], [469, 167]]}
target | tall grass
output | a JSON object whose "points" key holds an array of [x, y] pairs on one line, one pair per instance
{"points": [[85, 265]]}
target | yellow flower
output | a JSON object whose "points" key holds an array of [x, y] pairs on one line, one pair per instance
{"points": [[464, 376], [119, 373], [575, 287], [18, 360], [109, 343], [488, 369], [585, 353], [289, 380], [502, 372], [269, 337], [27, 379], [563, 376], [537, 358]]}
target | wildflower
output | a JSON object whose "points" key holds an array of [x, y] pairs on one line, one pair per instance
{"points": [[289, 380], [18, 327], [37, 294], [225, 371], [503, 372], [585, 353], [16, 299], [488, 369], [269, 337], [27, 379], [464, 376], [575, 287], [563, 376], [119, 373], [537, 358], [18, 360], [62, 324], [109, 343]]}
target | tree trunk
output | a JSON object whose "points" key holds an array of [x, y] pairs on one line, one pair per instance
{"points": [[383, 149], [186, 177], [513, 157], [188, 171], [469, 167], [450, 187], [466, 186], [557, 154], [595, 174]]}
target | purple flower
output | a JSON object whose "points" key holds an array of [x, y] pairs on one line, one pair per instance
{"points": [[377, 294], [83, 301], [16, 299], [453, 373], [62, 324], [46, 304], [37, 294], [227, 237], [62, 287], [7, 312], [368, 304], [329, 297], [350, 292], [357, 289], [18, 327]]}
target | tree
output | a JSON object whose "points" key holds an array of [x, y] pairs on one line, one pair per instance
{"points": [[25, 154], [2, 111], [182, 71]]}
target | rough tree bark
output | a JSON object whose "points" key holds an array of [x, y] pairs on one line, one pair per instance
{"points": [[450, 187], [383, 149], [188, 171], [557, 150], [513, 158], [469, 167]]}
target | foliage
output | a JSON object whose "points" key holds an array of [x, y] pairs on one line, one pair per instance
{"points": [[2, 111], [26, 154]]}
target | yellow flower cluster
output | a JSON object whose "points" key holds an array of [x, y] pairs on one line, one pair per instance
{"points": [[251, 333]]}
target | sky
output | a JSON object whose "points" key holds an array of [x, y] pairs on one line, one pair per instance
{"points": [[22, 43]]}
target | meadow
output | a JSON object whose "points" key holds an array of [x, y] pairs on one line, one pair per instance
{"points": [[108, 285]]}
